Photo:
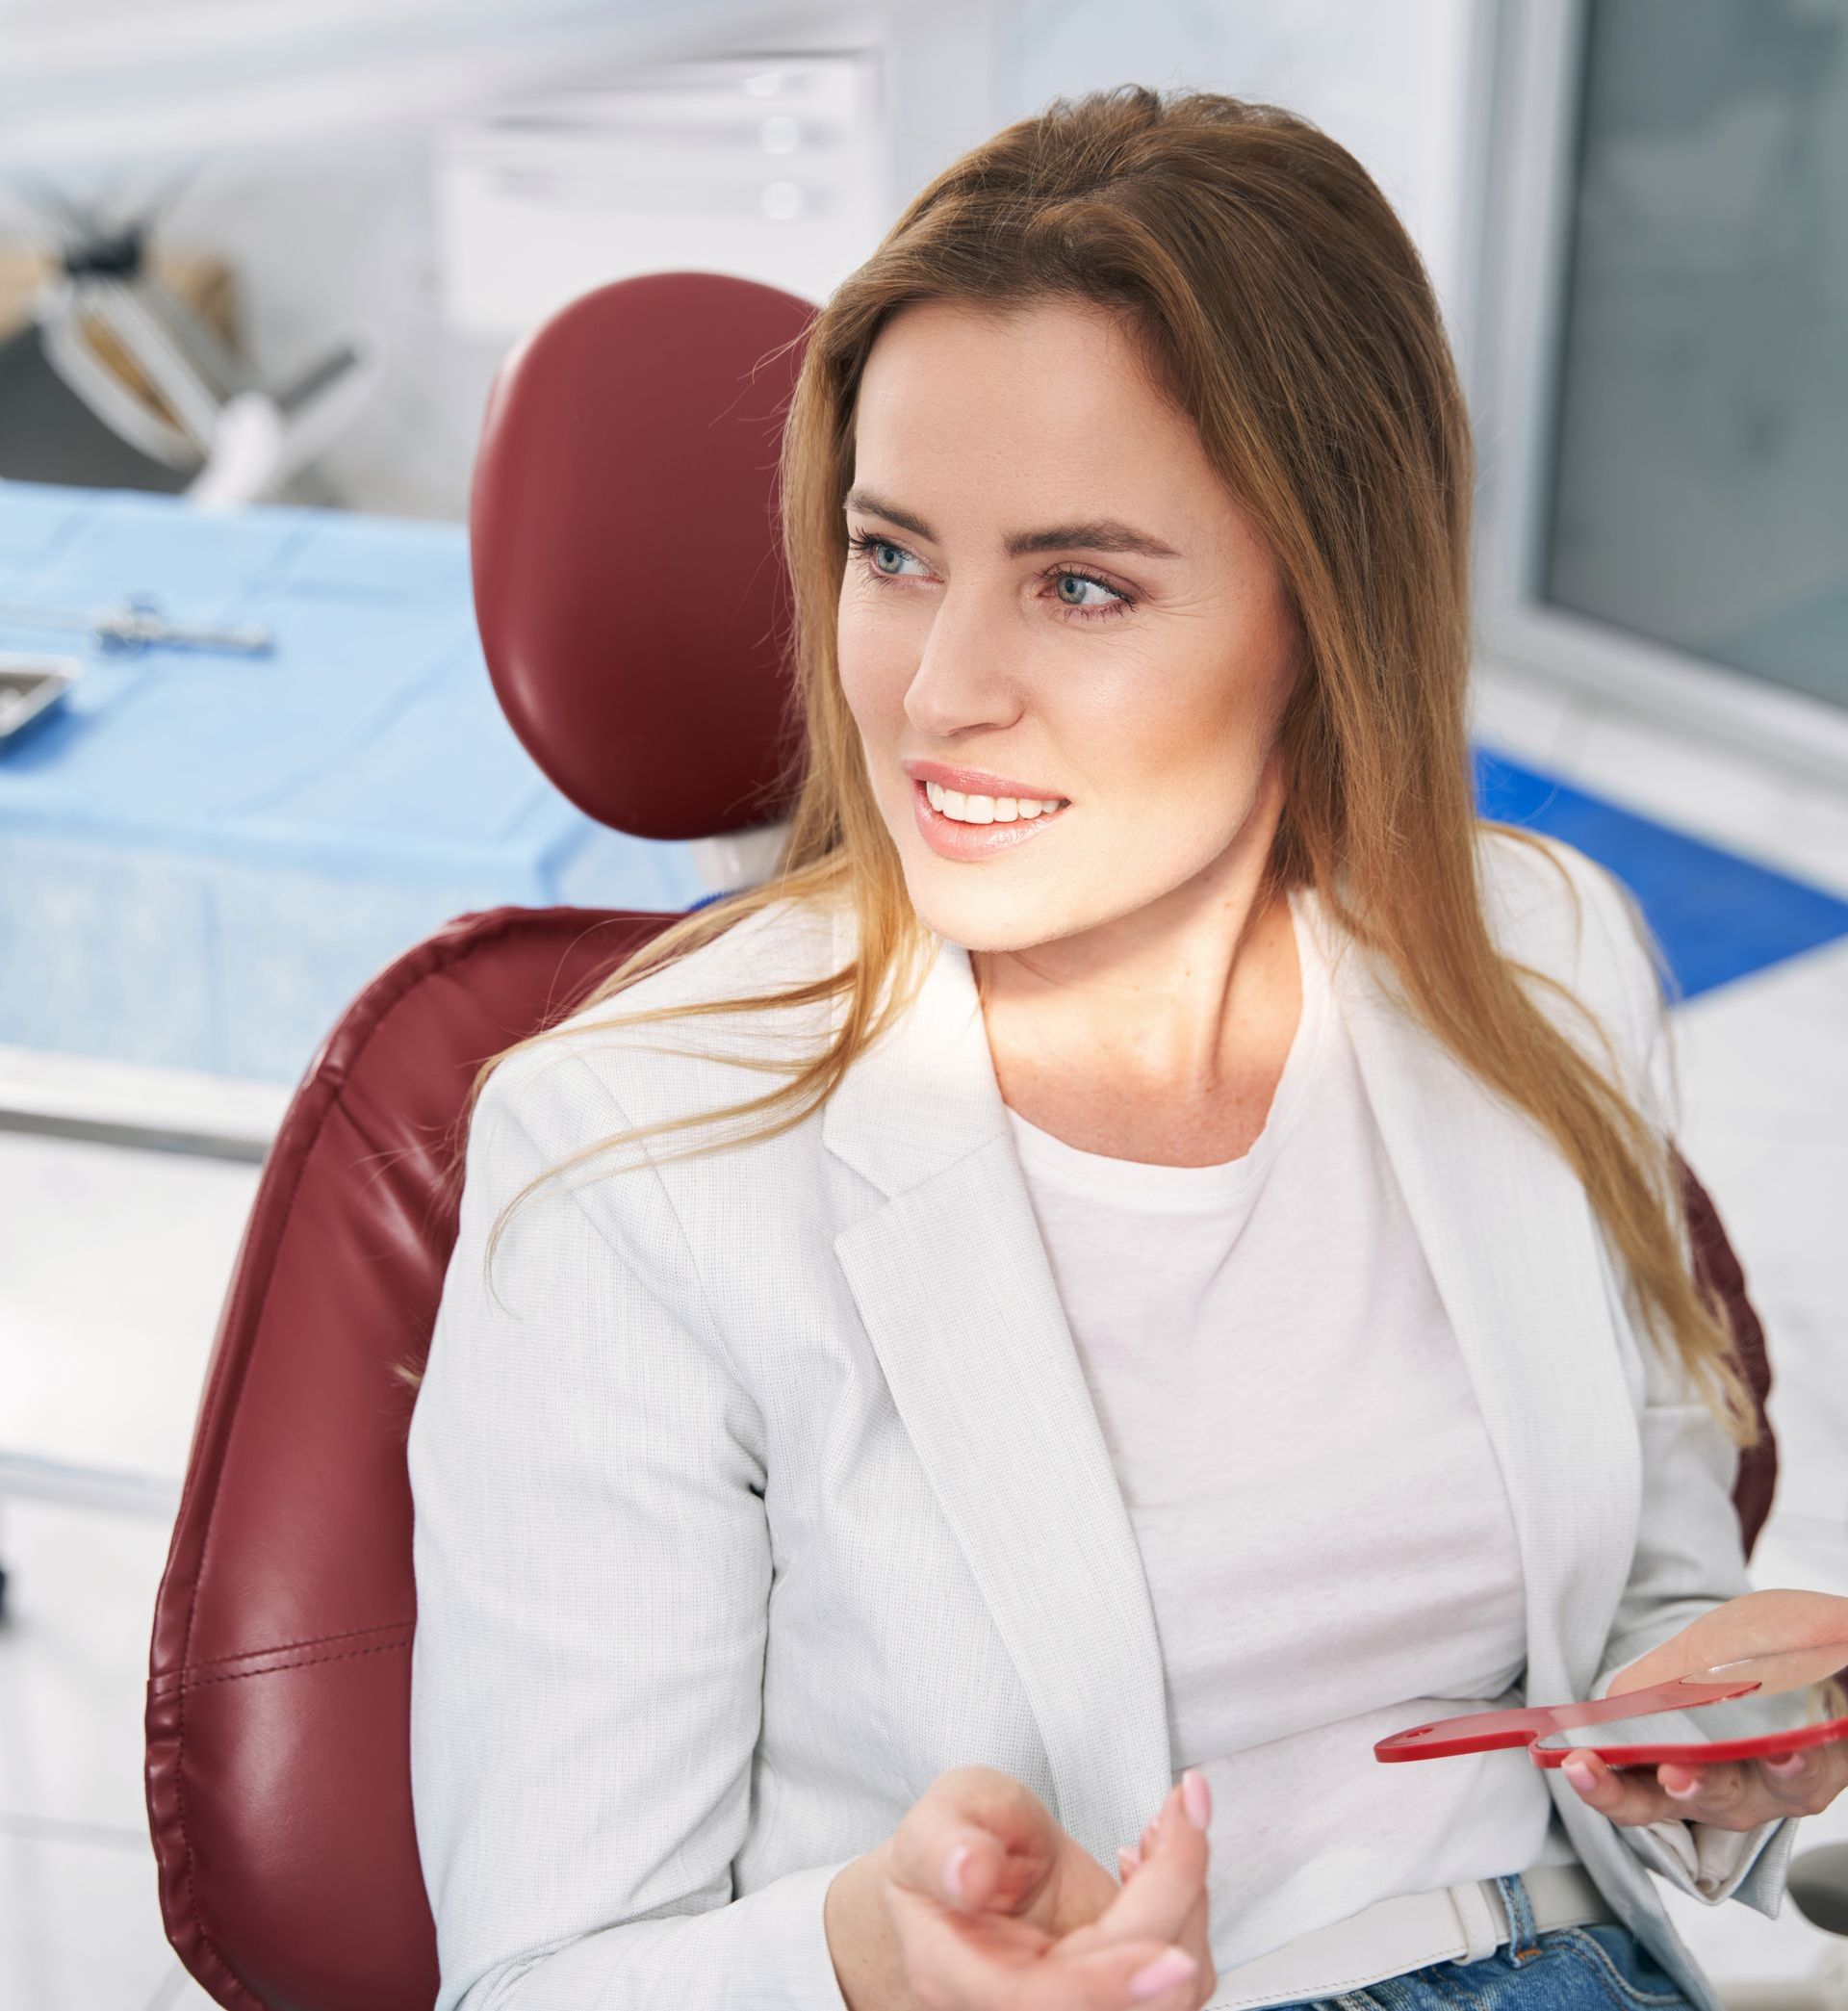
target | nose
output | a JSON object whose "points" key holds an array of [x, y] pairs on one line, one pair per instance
{"points": [[962, 678]]}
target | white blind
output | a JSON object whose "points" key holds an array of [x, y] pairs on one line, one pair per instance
{"points": [[769, 167]]}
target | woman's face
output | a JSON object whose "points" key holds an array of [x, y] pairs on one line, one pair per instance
{"points": [[1052, 586]]}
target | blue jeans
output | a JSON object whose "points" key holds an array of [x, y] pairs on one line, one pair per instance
{"points": [[1601, 1966]]}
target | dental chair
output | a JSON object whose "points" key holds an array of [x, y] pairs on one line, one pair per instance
{"points": [[630, 605]]}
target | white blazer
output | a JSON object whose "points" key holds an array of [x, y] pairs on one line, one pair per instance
{"points": [[768, 1485]]}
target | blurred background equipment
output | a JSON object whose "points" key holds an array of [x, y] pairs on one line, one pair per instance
{"points": [[114, 377], [759, 169], [119, 369]]}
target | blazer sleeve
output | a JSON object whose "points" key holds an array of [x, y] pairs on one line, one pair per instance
{"points": [[1689, 1553], [592, 1564]]}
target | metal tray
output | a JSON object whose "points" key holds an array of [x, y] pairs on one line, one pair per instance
{"points": [[30, 686]]}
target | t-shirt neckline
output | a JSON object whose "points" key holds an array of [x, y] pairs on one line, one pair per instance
{"points": [[1141, 1182]]}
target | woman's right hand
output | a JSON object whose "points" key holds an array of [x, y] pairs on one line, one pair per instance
{"points": [[1040, 1926]]}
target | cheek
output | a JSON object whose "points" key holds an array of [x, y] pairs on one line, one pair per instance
{"points": [[1183, 726], [872, 671]]}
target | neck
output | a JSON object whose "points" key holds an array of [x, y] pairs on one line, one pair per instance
{"points": [[1172, 1008]]}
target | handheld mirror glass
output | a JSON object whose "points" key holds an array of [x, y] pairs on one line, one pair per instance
{"points": [[1759, 1707]]}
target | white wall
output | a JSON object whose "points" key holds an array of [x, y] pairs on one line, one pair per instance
{"points": [[352, 241]]}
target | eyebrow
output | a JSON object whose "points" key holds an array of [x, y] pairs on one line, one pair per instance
{"points": [[1094, 534]]}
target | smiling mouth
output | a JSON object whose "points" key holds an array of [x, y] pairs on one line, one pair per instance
{"points": [[1000, 809]]}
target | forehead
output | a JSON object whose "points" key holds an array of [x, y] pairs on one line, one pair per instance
{"points": [[983, 412]]}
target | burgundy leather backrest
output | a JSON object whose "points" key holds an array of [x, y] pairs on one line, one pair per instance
{"points": [[629, 581], [278, 1701]]}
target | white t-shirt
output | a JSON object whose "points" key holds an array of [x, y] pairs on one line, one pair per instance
{"points": [[1322, 1523]]}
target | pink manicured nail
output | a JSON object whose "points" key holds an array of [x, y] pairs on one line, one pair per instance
{"points": [[952, 1871], [1686, 1794], [1197, 1797], [1579, 1775], [1170, 1967]]}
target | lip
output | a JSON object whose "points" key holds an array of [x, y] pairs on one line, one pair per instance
{"points": [[977, 781], [950, 839]]}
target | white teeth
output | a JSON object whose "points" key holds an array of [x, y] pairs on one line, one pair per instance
{"points": [[988, 810]]}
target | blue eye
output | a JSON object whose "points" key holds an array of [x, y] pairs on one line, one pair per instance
{"points": [[1064, 573], [864, 543], [867, 543]]}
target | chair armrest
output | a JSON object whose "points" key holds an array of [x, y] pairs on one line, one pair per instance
{"points": [[1818, 1882], [1718, 1271]]}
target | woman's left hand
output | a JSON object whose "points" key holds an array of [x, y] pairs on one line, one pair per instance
{"points": [[1727, 1794]]}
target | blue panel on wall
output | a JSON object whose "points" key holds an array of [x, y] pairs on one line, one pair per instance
{"points": [[1718, 917]]}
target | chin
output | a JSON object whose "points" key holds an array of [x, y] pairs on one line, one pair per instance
{"points": [[991, 918]]}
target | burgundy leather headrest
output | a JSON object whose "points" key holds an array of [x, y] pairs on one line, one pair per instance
{"points": [[629, 578]]}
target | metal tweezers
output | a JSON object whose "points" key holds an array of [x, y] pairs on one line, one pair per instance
{"points": [[138, 625]]}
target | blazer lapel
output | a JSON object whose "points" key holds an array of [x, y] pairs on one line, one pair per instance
{"points": [[957, 1295], [1512, 1244], [957, 1298]]}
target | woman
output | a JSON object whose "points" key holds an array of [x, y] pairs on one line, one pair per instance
{"points": [[1170, 1308]]}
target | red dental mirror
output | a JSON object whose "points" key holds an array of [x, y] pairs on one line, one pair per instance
{"points": [[1789, 1698]]}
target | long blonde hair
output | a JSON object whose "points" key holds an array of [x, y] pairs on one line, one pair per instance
{"points": [[1293, 321]]}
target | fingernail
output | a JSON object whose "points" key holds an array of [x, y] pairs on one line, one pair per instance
{"points": [[1127, 1860], [1197, 1797], [1170, 1967], [953, 1872], [1791, 1762], [1579, 1775], [1686, 1794]]}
